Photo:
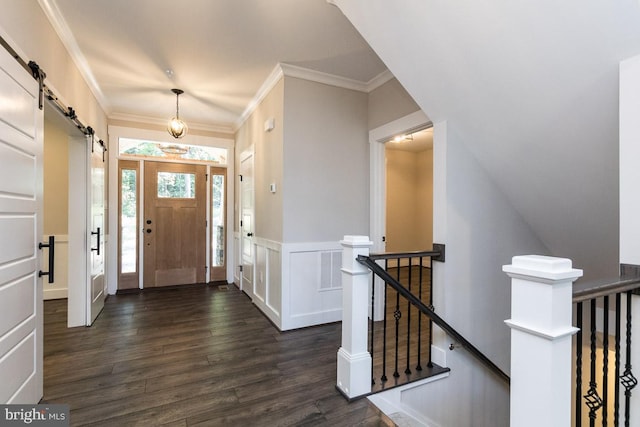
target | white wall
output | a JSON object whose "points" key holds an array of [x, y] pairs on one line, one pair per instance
{"points": [[481, 231], [389, 102], [629, 157], [532, 92]]}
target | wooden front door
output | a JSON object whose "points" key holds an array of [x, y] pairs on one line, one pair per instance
{"points": [[21, 127], [175, 224]]}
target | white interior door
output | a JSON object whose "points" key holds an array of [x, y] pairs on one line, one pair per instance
{"points": [[96, 283], [21, 127], [246, 224]]}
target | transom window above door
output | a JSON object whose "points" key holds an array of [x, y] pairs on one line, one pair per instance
{"points": [[197, 153]]}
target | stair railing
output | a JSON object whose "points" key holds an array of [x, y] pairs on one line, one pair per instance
{"points": [[427, 310], [571, 347], [604, 379]]}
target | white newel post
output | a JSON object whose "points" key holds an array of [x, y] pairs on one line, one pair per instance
{"points": [[354, 361], [541, 330]]}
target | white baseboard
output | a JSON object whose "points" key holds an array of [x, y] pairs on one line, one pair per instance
{"points": [[54, 294]]}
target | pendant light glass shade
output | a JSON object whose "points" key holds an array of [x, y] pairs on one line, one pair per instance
{"points": [[176, 127]]}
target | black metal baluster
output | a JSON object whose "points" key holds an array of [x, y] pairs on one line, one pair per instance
{"points": [[627, 379], [605, 360], [373, 324], [407, 370], [397, 315], [578, 397], [383, 378], [616, 390], [430, 363], [419, 365], [592, 398]]}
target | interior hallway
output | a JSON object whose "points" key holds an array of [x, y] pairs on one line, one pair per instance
{"points": [[195, 355]]}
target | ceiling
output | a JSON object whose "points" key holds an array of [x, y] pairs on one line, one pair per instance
{"points": [[219, 52], [531, 91]]}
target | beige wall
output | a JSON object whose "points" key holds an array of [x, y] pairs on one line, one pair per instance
{"points": [[388, 103], [56, 179], [425, 198], [326, 162], [27, 29], [409, 205], [268, 163]]}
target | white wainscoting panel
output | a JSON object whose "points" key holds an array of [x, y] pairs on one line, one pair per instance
{"points": [[298, 284], [267, 286], [57, 289], [311, 284]]}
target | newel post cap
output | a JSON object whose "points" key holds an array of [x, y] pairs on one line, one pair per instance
{"points": [[544, 267], [356, 241]]}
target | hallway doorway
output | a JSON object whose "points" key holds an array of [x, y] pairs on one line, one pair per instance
{"points": [[74, 194], [414, 124], [173, 202], [409, 195]]}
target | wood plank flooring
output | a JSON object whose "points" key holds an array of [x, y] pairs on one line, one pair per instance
{"points": [[195, 356]]}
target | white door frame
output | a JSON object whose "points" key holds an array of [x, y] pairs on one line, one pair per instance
{"points": [[377, 170], [78, 259], [248, 290], [378, 188], [117, 132]]}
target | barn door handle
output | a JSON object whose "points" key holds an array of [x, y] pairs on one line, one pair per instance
{"points": [[51, 245], [97, 248]]}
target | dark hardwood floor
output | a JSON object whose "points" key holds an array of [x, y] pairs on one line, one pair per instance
{"points": [[191, 356]]}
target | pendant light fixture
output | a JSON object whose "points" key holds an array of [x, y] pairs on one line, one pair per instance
{"points": [[176, 127]]}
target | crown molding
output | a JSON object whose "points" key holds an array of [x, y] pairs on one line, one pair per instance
{"points": [[273, 78], [338, 81], [53, 14], [379, 80], [281, 70], [325, 78], [134, 118]]}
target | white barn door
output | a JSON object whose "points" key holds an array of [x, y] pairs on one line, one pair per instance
{"points": [[95, 292], [21, 128]]}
